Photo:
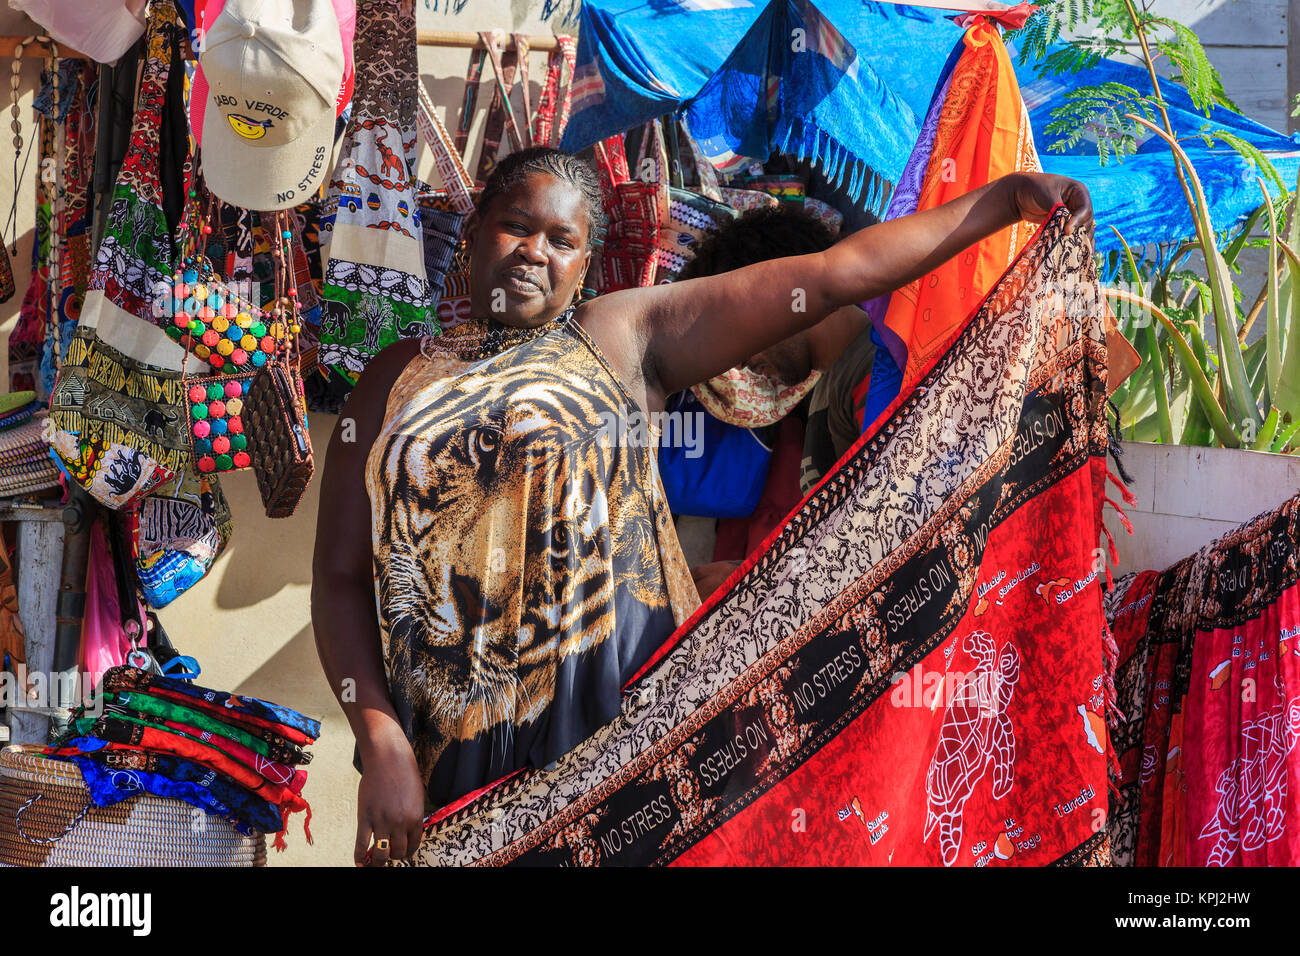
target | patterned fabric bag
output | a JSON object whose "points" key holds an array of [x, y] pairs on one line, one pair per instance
{"points": [[442, 215], [507, 67], [692, 213], [118, 405], [176, 534], [448, 273], [375, 289], [72, 100], [27, 339], [548, 127], [691, 217], [636, 210]]}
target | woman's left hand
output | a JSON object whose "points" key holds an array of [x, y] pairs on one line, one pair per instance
{"points": [[1034, 195]]}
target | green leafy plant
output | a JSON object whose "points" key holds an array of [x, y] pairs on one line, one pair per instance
{"points": [[1185, 392]]}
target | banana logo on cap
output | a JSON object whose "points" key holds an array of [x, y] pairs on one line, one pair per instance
{"points": [[248, 127]]}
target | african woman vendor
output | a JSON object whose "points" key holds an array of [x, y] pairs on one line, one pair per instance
{"points": [[493, 559]]}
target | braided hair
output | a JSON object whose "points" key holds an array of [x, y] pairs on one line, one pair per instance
{"points": [[564, 166]]}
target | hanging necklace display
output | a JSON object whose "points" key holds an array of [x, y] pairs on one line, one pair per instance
{"points": [[7, 284]]}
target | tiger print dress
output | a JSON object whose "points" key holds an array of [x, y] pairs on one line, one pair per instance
{"points": [[525, 561]]}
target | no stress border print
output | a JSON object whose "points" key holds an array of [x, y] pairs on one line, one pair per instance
{"points": [[911, 671]]}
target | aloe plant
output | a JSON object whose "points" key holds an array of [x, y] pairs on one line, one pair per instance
{"points": [[1185, 392], [1235, 395]]}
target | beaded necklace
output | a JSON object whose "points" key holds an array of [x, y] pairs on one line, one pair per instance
{"points": [[478, 339]]}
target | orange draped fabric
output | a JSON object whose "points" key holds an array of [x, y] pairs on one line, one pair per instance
{"points": [[983, 133]]}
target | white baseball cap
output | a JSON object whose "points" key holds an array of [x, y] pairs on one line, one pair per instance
{"points": [[274, 69]]}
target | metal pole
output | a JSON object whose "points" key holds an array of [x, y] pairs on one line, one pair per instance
{"points": [[70, 608]]}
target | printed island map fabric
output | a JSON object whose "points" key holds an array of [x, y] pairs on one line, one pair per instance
{"points": [[1210, 686], [913, 670]]}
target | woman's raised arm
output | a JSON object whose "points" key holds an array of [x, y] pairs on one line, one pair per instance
{"points": [[693, 330]]}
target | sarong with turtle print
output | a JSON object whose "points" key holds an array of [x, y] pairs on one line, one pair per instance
{"points": [[911, 670]]}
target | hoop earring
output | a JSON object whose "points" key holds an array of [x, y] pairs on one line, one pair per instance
{"points": [[460, 261]]}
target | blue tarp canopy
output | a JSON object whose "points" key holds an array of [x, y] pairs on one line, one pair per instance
{"points": [[640, 59]]}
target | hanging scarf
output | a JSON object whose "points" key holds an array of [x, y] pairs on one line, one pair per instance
{"points": [[376, 291], [1210, 690], [751, 399], [975, 131]]}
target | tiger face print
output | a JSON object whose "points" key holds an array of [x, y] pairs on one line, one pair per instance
{"points": [[509, 530]]}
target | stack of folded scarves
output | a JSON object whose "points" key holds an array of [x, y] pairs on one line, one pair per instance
{"points": [[25, 463], [236, 757]]}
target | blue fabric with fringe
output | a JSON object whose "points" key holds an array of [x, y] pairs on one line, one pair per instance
{"points": [[713, 58], [795, 85], [847, 100]]}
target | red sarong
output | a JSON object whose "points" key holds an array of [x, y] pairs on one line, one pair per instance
{"points": [[1210, 683]]}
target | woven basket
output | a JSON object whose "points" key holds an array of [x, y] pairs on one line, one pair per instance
{"points": [[48, 819]]}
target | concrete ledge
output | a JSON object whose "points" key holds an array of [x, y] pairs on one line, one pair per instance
{"points": [[1189, 496]]}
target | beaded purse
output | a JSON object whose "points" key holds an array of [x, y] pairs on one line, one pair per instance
{"points": [[212, 322], [208, 316]]}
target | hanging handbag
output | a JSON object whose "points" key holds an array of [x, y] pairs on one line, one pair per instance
{"points": [[216, 321], [176, 534], [507, 66], [720, 476], [691, 218], [691, 215], [276, 416], [442, 218], [118, 405], [218, 438], [232, 334], [552, 109]]}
